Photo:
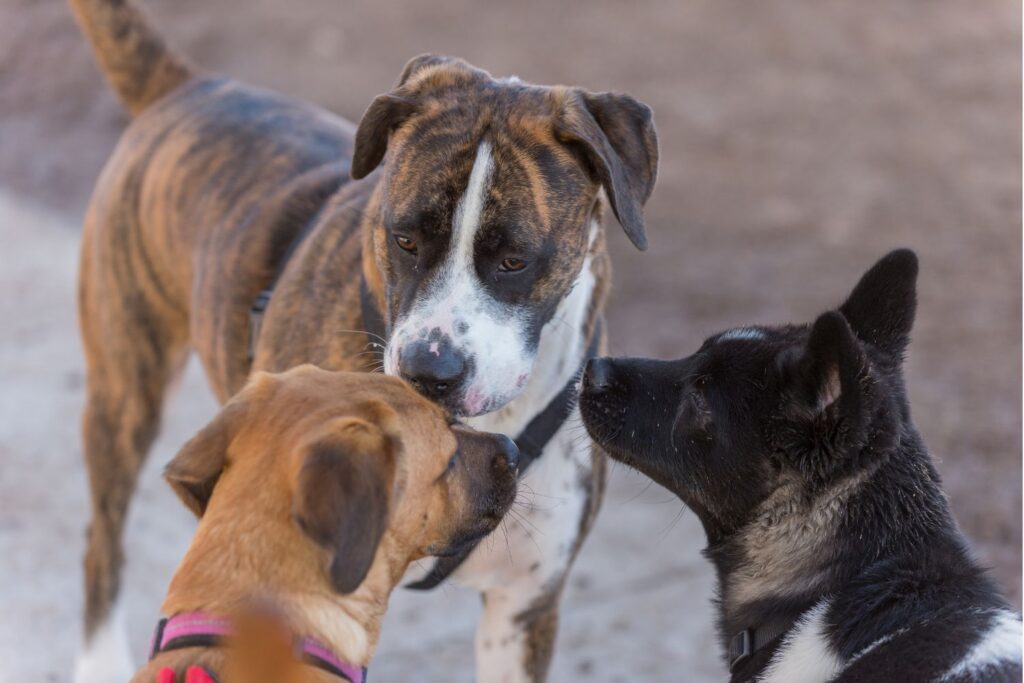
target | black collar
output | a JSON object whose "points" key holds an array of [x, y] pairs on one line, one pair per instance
{"points": [[750, 640]]}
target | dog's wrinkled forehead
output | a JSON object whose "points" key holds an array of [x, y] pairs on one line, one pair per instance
{"points": [[535, 185]]}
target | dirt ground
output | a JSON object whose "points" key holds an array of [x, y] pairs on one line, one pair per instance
{"points": [[800, 140]]}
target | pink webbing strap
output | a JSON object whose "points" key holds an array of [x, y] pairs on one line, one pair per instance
{"points": [[198, 629]]}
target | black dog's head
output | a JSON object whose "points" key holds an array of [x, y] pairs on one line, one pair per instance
{"points": [[758, 406]]}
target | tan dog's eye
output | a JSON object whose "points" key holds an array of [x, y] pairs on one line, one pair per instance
{"points": [[512, 265], [406, 243]]}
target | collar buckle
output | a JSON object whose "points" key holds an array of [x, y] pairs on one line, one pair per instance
{"points": [[741, 647]]}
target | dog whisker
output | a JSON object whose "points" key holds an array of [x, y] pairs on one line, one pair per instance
{"points": [[371, 335]]}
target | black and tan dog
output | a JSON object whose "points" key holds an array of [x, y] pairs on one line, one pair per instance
{"points": [[315, 490], [472, 240], [837, 555]]}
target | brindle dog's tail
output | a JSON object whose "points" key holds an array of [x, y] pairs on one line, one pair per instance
{"points": [[134, 57]]}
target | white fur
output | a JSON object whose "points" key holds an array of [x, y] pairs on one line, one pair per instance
{"points": [[559, 356], [540, 541], [106, 657], [805, 655], [871, 647], [541, 536], [1001, 643], [741, 333], [494, 340]]}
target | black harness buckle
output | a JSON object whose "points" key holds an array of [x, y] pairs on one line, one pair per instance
{"points": [[740, 648]]}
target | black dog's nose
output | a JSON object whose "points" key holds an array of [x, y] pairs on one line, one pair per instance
{"points": [[597, 376], [508, 449], [433, 368]]}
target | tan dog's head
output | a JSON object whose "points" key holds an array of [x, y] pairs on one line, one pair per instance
{"points": [[485, 211], [314, 478]]}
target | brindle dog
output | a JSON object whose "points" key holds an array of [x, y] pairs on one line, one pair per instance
{"points": [[473, 228]]}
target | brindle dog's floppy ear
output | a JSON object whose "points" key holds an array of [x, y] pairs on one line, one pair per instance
{"points": [[194, 471], [385, 114], [617, 137], [342, 495], [882, 306]]}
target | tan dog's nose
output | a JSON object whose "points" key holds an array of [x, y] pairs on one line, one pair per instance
{"points": [[508, 450]]}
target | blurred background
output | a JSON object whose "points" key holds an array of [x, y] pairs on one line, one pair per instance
{"points": [[800, 140]]}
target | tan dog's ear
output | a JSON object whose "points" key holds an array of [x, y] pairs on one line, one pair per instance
{"points": [[616, 134], [194, 471], [342, 496], [386, 113]]}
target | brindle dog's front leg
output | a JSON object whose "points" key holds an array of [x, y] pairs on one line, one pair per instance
{"points": [[516, 637], [521, 582]]}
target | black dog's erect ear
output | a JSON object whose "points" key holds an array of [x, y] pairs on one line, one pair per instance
{"points": [[616, 134], [342, 496], [386, 113], [194, 471], [831, 366], [882, 306]]}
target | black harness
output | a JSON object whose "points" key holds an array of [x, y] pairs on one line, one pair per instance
{"points": [[531, 441]]}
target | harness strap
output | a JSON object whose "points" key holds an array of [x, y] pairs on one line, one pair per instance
{"points": [[531, 443], [201, 630]]}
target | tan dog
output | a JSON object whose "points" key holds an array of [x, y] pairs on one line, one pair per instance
{"points": [[316, 490], [467, 225]]}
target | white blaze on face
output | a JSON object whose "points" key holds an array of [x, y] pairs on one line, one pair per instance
{"points": [[489, 334]]}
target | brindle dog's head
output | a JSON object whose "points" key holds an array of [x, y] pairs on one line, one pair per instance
{"points": [[343, 474], [762, 411], [487, 202]]}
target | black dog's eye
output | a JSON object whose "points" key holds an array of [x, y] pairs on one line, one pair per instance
{"points": [[701, 383], [405, 243], [511, 265]]}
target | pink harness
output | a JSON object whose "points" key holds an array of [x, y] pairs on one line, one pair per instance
{"points": [[195, 629]]}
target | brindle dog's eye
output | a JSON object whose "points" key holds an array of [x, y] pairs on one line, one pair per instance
{"points": [[451, 462], [511, 265], [406, 243]]}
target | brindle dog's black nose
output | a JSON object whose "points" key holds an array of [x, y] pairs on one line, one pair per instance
{"points": [[597, 376], [433, 368]]}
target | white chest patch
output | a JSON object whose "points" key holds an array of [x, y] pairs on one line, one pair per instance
{"points": [[805, 655], [1001, 643]]}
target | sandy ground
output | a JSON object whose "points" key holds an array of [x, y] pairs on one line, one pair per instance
{"points": [[800, 140]]}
